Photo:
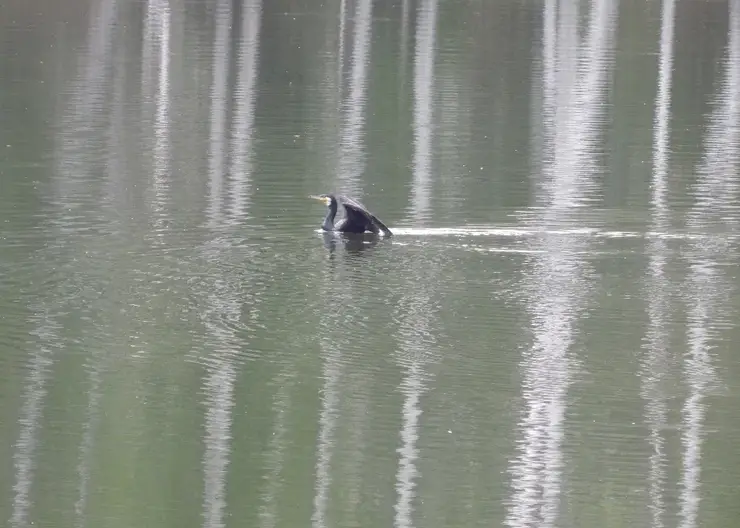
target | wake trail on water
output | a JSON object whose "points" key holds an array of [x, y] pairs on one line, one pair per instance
{"points": [[527, 232]]}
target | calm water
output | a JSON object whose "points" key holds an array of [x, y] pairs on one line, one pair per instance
{"points": [[548, 340]]}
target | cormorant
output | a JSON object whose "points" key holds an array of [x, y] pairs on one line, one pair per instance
{"points": [[357, 219]]}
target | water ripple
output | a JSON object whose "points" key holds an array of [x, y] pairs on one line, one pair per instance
{"points": [[656, 343], [558, 286], [717, 191]]}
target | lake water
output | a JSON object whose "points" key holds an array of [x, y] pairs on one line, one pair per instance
{"points": [[549, 339]]}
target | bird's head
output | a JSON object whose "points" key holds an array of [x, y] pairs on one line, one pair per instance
{"points": [[328, 199]]}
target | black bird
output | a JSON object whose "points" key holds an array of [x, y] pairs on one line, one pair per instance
{"points": [[357, 219]]}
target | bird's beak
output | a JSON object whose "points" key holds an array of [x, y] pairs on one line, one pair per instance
{"points": [[320, 198]]}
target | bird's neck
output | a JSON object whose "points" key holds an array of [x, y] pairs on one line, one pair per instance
{"points": [[328, 224]]}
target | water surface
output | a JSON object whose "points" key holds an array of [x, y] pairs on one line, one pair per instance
{"points": [[548, 339]]}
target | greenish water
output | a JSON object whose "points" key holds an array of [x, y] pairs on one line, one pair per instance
{"points": [[548, 340]]}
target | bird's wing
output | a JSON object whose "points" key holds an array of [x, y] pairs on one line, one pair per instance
{"points": [[380, 226], [354, 211], [357, 211], [354, 205]]}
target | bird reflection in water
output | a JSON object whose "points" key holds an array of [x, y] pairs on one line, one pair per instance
{"points": [[353, 243]]}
